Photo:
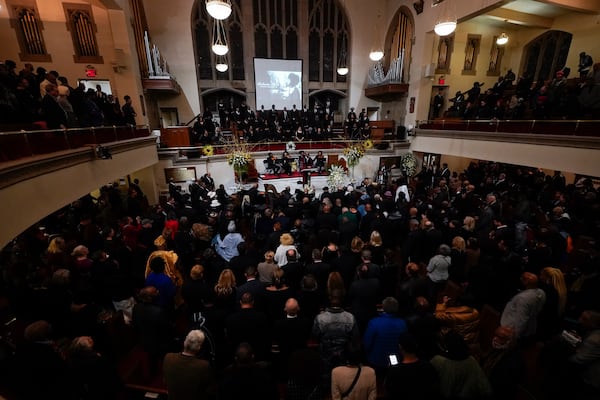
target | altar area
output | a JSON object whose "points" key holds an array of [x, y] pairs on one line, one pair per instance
{"points": [[295, 181]]}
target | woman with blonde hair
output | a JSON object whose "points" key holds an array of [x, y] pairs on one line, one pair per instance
{"points": [[552, 282], [286, 242], [468, 228], [267, 268], [458, 256], [225, 293], [376, 246], [56, 256]]}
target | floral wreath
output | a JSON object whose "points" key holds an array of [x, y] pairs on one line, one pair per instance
{"points": [[208, 150], [408, 163], [337, 176], [290, 146]]}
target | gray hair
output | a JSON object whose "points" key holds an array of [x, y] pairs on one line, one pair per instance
{"points": [[390, 305], [193, 341]]}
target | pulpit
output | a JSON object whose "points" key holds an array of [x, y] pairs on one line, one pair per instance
{"points": [[380, 128], [175, 136]]}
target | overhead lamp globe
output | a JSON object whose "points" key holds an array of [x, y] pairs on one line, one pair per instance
{"points": [[343, 71], [376, 55], [218, 9], [222, 67], [220, 49], [502, 39], [445, 28]]}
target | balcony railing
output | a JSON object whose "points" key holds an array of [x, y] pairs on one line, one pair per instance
{"points": [[17, 145], [546, 127]]}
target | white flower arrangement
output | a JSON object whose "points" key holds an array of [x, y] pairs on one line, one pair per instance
{"points": [[239, 160], [290, 146], [409, 164], [337, 176]]}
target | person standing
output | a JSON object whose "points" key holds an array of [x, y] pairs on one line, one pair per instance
{"points": [[186, 375], [438, 103], [521, 312], [128, 111]]}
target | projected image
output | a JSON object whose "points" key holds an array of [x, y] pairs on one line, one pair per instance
{"points": [[278, 82]]}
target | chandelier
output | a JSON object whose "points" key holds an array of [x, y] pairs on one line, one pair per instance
{"points": [[221, 64], [218, 9], [446, 22], [502, 39], [376, 53], [219, 42], [342, 68]]}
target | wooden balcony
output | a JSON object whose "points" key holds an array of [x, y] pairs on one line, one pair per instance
{"points": [[387, 92], [163, 84]]}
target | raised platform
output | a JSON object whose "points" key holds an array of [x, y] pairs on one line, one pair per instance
{"points": [[280, 183]]}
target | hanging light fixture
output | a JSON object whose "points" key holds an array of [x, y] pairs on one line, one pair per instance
{"points": [[218, 9], [221, 64], [222, 67], [502, 39], [219, 42], [446, 23], [342, 68], [376, 53]]}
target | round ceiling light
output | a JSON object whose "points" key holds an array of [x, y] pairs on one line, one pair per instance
{"points": [[445, 28], [218, 9]]}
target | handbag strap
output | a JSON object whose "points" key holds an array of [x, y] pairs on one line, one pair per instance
{"points": [[347, 392]]}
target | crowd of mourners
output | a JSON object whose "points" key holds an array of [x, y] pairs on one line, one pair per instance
{"points": [[382, 290], [45, 98], [562, 97]]}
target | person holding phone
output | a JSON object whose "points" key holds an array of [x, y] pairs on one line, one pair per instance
{"points": [[381, 336], [410, 378]]}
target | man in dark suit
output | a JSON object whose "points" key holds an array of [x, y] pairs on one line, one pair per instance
{"points": [[152, 323], [319, 269], [249, 325], [292, 270], [291, 333], [253, 286]]}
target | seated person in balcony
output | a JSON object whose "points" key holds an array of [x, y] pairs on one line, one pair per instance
{"points": [[299, 135], [320, 161], [365, 131]]}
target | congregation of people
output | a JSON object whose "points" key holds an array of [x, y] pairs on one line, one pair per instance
{"points": [[46, 99], [562, 97], [381, 290]]}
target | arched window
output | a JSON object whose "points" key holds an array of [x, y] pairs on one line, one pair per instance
{"points": [[546, 54], [80, 22], [205, 58], [275, 27], [327, 26], [28, 27]]}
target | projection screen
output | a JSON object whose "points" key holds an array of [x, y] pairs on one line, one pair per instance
{"points": [[278, 82]]}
